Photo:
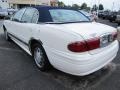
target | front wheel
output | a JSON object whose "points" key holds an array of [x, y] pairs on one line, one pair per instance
{"points": [[40, 57]]}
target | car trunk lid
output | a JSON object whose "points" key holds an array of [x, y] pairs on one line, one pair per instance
{"points": [[91, 30]]}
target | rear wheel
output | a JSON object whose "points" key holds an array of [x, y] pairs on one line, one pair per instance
{"points": [[40, 57]]}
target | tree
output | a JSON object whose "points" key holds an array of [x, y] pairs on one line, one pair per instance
{"points": [[101, 7], [84, 6], [75, 6], [68, 6], [88, 9], [95, 7], [61, 4]]}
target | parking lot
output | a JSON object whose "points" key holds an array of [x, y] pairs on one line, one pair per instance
{"points": [[19, 72]]}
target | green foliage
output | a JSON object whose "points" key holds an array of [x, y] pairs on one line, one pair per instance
{"points": [[75, 6], [84, 6], [95, 7], [101, 7], [88, 9], [61, 4]]}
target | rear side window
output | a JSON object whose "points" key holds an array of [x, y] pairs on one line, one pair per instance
{"points": [[64, 15], [30, 15]]}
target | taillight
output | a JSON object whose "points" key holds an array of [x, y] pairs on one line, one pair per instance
{"points": [[79, 46], [93, 43], [82, 46]]}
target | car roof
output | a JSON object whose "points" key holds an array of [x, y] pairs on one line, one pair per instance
{"points": [[49, 7], [45, 14]]}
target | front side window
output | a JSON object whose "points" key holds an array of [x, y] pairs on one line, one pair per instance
{"points": [[64, 16], [18, 15], [30, 15]]}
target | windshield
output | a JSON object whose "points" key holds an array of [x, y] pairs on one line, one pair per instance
{"points": [[64, 16]]}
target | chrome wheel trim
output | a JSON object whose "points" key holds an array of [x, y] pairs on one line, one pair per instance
{"points": [[38, 57]]}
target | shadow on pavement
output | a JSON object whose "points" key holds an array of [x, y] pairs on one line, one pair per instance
{"points": [[85, 82]]}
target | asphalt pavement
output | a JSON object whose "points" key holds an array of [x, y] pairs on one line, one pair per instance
{"points": [[19, 72]]}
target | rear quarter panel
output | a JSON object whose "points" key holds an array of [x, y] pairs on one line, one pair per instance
{"points": [[55, 38]]}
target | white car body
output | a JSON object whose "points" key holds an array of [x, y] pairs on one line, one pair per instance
{"points": [[56, 37]]}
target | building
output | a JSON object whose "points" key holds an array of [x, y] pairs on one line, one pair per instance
{"points": [[4, 4], [54, 2], [23, 3]]}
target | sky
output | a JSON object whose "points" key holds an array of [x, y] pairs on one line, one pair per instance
{"points": [[108, 4]]}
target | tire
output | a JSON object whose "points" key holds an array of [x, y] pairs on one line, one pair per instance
{"points": [[40, 57], [6, 36]]}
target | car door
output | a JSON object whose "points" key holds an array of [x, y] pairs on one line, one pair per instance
{"points": [[28, 20], [13, 25]]}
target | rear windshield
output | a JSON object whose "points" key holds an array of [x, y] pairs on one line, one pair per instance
{"points": [[85, 13], [64, 16]]}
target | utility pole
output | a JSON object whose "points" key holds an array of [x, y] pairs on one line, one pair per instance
{"points": [[91, 6], [72, 2], [113, 6], [98, 7]]}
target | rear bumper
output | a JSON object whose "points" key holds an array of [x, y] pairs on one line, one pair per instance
{"points": [[80, 66]]}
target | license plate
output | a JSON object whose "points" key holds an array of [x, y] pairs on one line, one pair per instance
{"points": [[111, 38], [106, 39]]}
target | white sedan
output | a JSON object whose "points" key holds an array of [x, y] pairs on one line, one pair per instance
{"points": [[63, 38]]}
